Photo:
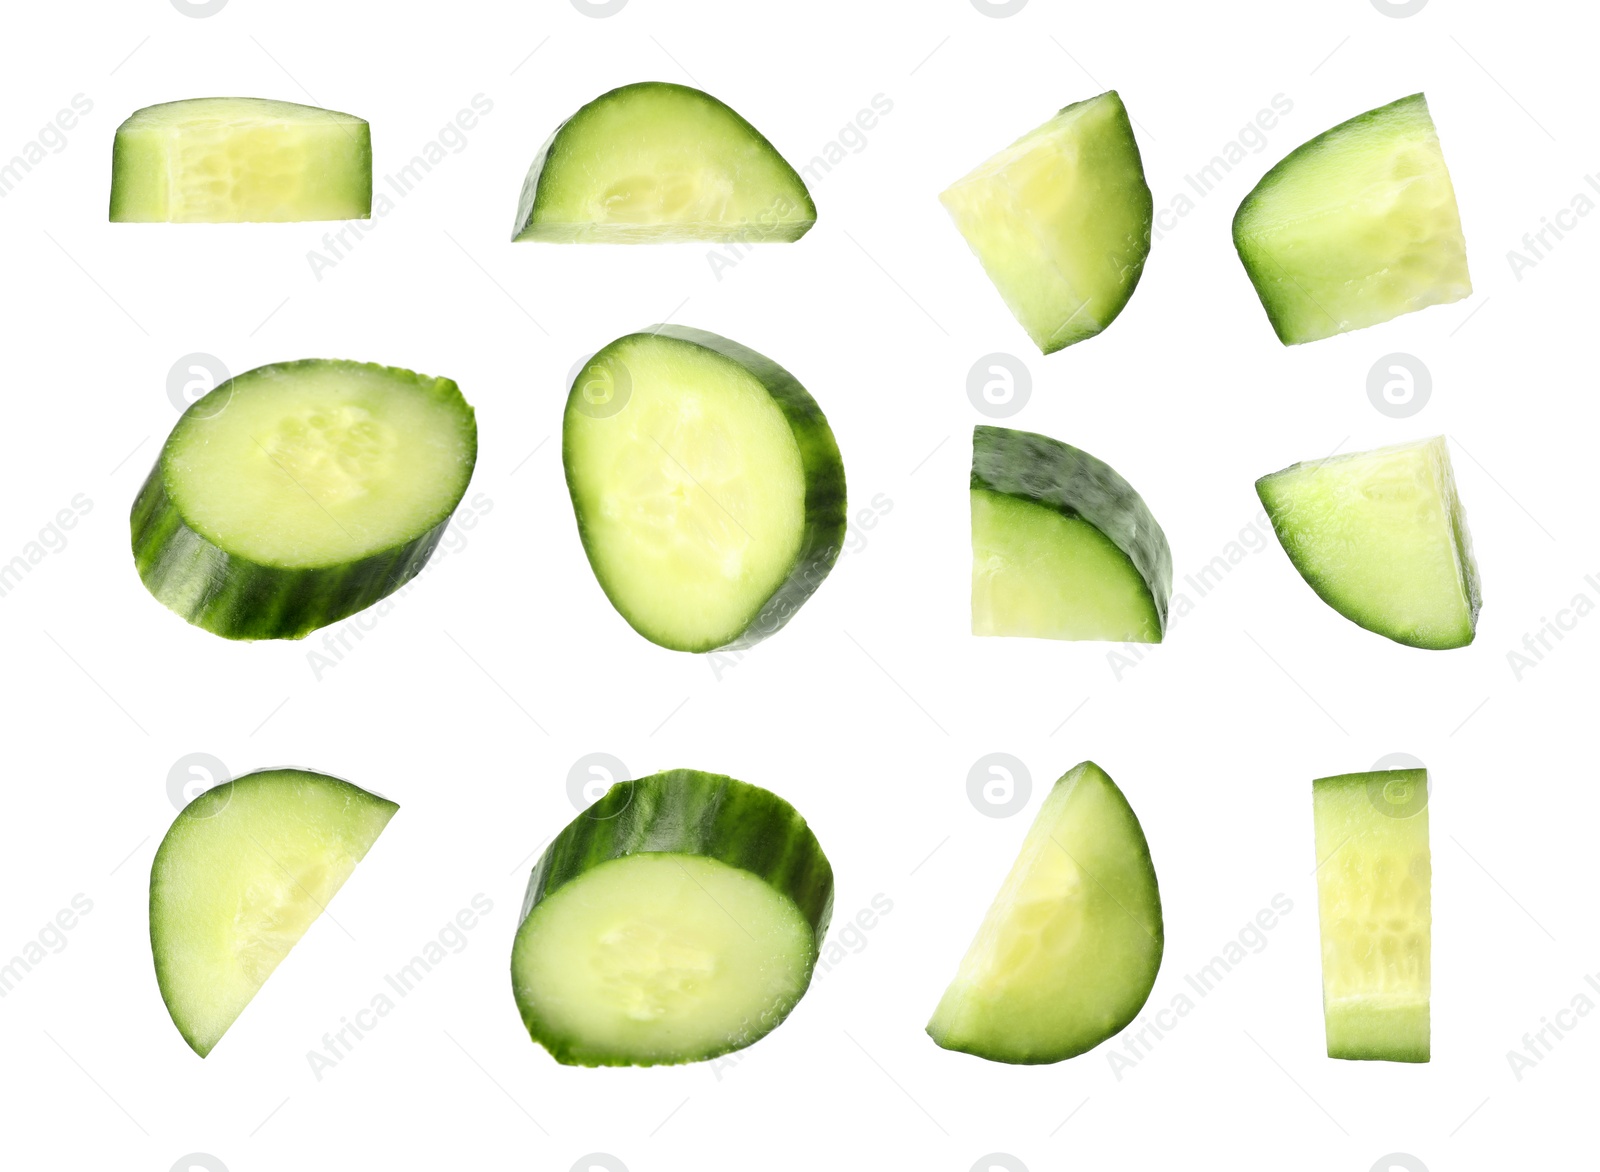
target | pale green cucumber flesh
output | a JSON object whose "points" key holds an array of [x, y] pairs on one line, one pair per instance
{"points": [[230, 160], [1382, 538], [1062, 546], [1061, 221], [244, 871], [655, 162], [1374, 881], [1068, 952], [1355, 227], [707, 486]]}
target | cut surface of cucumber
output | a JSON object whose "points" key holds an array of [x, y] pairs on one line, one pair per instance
{"points": [[1374, 898], [1355, 227], [1061, 221], [1068, 952], [245, 869], [231, 160], [296, 494], [676, 919], [655, 162], [1062, 546], [1382, 538], [707, 486]]}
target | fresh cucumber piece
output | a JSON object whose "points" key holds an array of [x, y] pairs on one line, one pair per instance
{"points": [[1374, 899], [1382, 538], [707, 486], [1061, 221], [654, 163], [296, 494], [676, 919], [229, 160], [245, 869], [1067, 953], [1062, 546], [1355, 227]]}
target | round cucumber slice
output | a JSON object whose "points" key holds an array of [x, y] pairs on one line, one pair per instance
{"points": [[296, 494], [1068, 952], [707, 485], [655, 162], [245, 869], [229, 160], [676, 919]]}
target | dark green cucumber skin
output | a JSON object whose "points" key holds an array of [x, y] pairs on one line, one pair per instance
{"points": [[528, 200], [685, 811], [825, 505], [1047, 472], [241, 599]]}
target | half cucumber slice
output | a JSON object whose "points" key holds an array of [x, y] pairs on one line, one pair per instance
{"points": [[227, 160], [676, 919], [1355, 227], [246, 868], [1374, 899], [707, 486], [1068, 952], [1062, 546], [1061, 221], [1382, 538], [296, 494], [655, 163]]}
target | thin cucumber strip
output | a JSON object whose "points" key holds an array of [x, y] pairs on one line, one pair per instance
{"points": [[676, 919], [296, 494], [231, 160]]}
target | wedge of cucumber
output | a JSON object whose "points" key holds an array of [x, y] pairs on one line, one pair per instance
{"points": [[228, 160], [707, 486], [1061, 221], [244, 871], [1355, 227], [1374, 899], [655, 163], [1382, 538], [1062, 546], [296, 494], [676, 919], [1068, 952]]}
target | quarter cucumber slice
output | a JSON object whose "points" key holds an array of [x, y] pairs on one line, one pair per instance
{"points": [[707, 486], [676, 919], [1374, 898], [1061, 221], [1068, 952], [1355, 227], [296, 494], [227, 160], [1062, 546], [243, 872], [654, 163], [1382, 538]]}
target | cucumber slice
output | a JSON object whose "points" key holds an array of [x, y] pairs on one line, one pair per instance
{"points": [[1382, 538], [231, 160], [1355, 227], [1062, 546], [676, 919], [246, 868], [1061, 221], [1374, 899], [655, 163], [1068, 952], [707, 486], [296, 494]]}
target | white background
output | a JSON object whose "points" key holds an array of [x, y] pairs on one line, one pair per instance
{"points": [[470, 701]]}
